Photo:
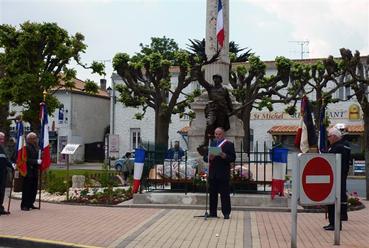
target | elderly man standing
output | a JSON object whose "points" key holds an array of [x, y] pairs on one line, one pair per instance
{"points": [[219, 173], [338, 145], [4, 164], [29, 187]]}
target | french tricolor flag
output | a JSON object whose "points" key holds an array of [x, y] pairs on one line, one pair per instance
{"points": [[44, 138], [139, 164], [220, 24], [279, 159], [21, 150], [306, 136]]}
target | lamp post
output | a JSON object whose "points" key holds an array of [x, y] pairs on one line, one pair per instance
{"points": [[111, 92]]}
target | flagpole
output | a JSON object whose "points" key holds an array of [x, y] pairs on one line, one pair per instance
{"points": [[11, 190], [39, 157]]}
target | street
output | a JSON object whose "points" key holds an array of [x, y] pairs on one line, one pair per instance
{"points": [[356, 185]]}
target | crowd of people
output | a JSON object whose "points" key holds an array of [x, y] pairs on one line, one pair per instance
{"points": [[8, 159]]}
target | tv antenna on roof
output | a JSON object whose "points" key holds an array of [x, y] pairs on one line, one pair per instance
{"points": [[104, 61], [304, 47]]}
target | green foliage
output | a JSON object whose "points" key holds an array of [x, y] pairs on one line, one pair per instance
{"points": [[106, 179], [197, 48], [56, 184], [35, 58], [91, 87], [147, 80], [291, 110]]}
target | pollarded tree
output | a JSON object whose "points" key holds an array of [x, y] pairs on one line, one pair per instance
{"points": [[253, 89], [147, 82], [35, 59], [358, 68], [319, 81]]}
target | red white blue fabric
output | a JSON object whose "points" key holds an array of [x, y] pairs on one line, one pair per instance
{"points": [[21, 150], [279, 158], [139, 164], [44, 138], [220, 24]]}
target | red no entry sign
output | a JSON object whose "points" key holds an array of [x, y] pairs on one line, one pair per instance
{"points": [[317, 179]]}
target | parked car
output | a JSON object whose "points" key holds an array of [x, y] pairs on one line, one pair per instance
{"points": [[118, 164]]}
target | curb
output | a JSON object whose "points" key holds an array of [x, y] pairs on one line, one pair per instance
{"points": [[27, 242]]}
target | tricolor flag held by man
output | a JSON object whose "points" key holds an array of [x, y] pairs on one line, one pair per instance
{"points": [[279, 159], [306, 136], [21, 150], [44, 138], [220, 24], [139, 164]]}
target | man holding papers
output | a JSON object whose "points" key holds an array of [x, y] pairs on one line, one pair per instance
{"points": [[220, 155]]}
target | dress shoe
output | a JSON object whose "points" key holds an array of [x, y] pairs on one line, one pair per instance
{"points": [[34, 207], [330, 228], [3, 212], [24, 209], [226, 217]]}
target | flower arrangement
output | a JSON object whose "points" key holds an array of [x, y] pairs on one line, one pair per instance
{"points": [[353, 200], [101, 196]]}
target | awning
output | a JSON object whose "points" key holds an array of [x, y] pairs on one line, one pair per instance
{"points": [[292, 129]]}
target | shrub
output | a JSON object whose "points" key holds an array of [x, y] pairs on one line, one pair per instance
{"points": [[56, 184]]}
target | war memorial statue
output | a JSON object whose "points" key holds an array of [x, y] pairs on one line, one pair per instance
{"points": [[217, 110]]}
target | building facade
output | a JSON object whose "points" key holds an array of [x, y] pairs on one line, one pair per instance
{"points": [[82, 119], [266, 126]]}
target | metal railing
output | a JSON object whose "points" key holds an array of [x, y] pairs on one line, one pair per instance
{"points": [[249, 174]]}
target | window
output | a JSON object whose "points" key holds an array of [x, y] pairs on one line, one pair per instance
{"points": [[344, 92], [135, 138]]}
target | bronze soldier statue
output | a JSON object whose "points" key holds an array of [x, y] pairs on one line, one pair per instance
{"points": [[219, 107]]}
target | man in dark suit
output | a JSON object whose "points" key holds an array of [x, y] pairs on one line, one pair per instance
{"points": [[219, 173], [338, 145], [4, 165], [29, 187]]}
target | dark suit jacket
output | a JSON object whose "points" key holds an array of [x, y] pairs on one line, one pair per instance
{"points": [[220, 168], [4, 163], [344, 149], [32, 156]]}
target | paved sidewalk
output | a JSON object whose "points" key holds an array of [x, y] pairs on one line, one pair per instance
{"points": [[58, 225]]}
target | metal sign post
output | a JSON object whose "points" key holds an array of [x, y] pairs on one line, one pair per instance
{"points": [[69, 149], [337, 204], [294, 200], [316, 181]]}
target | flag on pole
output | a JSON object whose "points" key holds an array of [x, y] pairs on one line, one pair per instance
{"points": [[220, 24], [306, 136], [322, 133], [139, 164], [44, 138], [279, 159], [21, 150]]}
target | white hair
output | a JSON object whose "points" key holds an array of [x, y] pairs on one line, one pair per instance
{"points": [[2, 134], [335, 132], [31, 135]]}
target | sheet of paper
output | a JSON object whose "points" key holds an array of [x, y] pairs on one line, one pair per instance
{"points": [[216, 151]]}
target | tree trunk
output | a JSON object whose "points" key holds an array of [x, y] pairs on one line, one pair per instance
{"points": [[4, 123], [245, 117], [366, 147], [162, 121]]}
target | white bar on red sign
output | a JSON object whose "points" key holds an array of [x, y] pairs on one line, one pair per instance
{"points": [[317, 179]]}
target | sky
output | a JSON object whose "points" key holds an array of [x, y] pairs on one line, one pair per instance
{"points": [[269, 28]]}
